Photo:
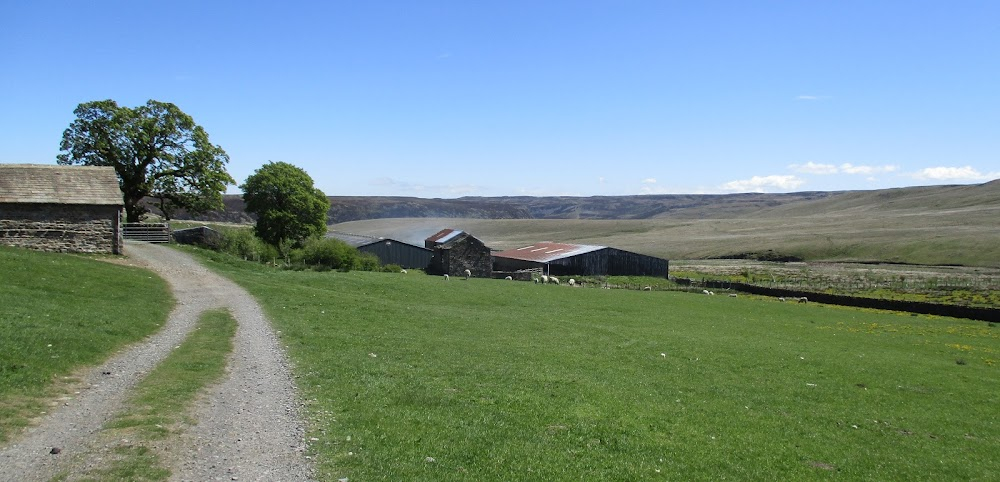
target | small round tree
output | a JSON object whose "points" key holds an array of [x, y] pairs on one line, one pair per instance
{"points": [[288, 208]]}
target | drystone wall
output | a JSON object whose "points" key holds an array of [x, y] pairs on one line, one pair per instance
{"points": [[62, 227]]}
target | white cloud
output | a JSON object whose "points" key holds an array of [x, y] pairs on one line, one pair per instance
{"points": [[763, 184], [964, 173], [814, 168], [848, 168], [600, 180], [649, 180], [845, 168]]}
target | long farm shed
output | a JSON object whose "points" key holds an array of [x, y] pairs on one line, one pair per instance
{"points": [[579, 259], [389, 251]]}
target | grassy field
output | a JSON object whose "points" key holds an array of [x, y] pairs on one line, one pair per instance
{"points": [[409, 377], [62, 312]]}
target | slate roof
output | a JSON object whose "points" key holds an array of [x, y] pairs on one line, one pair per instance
{"points": [[51, 184], [547, 251]]}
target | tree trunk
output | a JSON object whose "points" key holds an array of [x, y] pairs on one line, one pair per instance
{"points": [[133, 211]]}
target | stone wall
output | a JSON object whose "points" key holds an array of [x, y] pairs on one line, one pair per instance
{"points": [[991, 315], [62, 227]]}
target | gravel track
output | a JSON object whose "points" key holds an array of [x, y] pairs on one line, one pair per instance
{"points": [[248, 426]]}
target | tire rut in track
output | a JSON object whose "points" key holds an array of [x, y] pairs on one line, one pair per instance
{"points": [[247, 425]]}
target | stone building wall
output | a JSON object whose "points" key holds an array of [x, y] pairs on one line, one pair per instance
{"points": [[464, 253], [62, 227]]}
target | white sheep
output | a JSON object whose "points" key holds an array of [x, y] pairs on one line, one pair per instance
{"points": [[545, 279], [403, 271], [803, 300], [535, 280], [446, 277], [468, 274], [705, 291], [647, 288], [782, 299], [572, 282], [732, 295], [508, 278], [554, 279]]}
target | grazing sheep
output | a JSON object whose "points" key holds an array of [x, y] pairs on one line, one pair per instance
{"points": [[402, 271], [732, 295], [545, 279], [468, 274], [706, 292], [446, 277], [782, 299], [553, 279], [535, 280], [509, 278], [803, 300], [647, 288], [572, 282]]}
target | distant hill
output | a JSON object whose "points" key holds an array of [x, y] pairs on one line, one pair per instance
{"points": [[667, 206], [922, 225], [679, 206]]}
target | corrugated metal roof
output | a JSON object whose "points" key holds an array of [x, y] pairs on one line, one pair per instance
{"points": [[547, 251], [444, 235], [359, 240], [354, 240], [47, 184]]}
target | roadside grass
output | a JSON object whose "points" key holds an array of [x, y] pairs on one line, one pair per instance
{"points": [[59, 313], [416, 378], [158, 408]]}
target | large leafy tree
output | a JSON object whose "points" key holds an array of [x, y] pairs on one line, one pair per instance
{"points": [[288, 208], [156, 149]]}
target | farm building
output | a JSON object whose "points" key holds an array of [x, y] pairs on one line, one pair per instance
{"points": [[61, 208], [389, 251], [456, 251], [579, 259]]}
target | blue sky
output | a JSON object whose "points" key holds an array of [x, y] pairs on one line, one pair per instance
{"points": [[469, 98]]}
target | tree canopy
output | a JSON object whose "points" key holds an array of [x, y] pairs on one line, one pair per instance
{"points": [[157, 151], [288, 207]]}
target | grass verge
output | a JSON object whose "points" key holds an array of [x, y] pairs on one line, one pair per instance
{"points": [[61, 312], [161, 401], [416, 378]]}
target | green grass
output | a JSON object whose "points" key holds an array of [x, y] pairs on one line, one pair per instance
{"points": [[61, 312], [415, 378], [159, 405]]}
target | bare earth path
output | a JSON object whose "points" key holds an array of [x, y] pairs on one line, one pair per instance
{"points": [[247, 426]]}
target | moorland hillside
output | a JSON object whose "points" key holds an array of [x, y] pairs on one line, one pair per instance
{"points": [[952, 224], [921, 225]]}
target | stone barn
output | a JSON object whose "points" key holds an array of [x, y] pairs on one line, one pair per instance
{"points": [[456, 251], [389, 251], [561, 259], [61, 208]]}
